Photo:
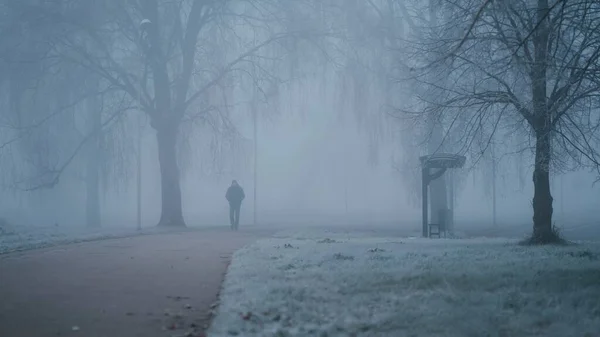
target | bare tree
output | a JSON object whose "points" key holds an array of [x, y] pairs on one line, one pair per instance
{"points": [[525, 66], [178, 43], [59, 114]]}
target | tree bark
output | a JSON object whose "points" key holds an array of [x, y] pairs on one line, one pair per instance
{"points": [[171, 209], [542, 197]]}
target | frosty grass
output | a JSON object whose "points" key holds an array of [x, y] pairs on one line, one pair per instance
{"points": [[21, 238], [325, 284]]}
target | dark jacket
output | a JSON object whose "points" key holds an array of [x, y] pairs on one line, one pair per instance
{"points": [[235, 195]]}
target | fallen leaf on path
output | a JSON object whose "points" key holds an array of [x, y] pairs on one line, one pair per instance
{"points": [[375, 250]]}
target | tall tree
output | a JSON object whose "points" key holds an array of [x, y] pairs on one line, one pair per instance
{"points": [[178, 42], [530, 65]]}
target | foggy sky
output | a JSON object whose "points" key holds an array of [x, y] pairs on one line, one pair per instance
{"points": [[315, 157]]}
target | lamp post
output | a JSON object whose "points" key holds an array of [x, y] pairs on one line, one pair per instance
{"points": [[562, 204], [494, 202], [255, 126], [143, 25], [254, 112]]}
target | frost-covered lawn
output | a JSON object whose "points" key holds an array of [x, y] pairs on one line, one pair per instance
{"points": [[325, 284], [18, 238]]}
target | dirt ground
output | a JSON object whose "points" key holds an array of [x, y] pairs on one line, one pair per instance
{"points": [[157, 285]]}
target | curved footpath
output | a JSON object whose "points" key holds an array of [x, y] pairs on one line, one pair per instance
{"points": [[157, 285]]}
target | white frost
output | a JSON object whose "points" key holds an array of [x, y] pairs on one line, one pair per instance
{"points": [[327, 284], [18, 238]]}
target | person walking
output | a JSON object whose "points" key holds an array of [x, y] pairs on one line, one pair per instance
{"points": [[235, 195]]}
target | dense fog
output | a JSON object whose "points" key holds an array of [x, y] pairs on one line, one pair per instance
{"points": [[315, 164], [330, 146], [299, 168]]}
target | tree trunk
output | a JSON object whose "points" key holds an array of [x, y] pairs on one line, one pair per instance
{"points": [[542, 198], [171, 209], [92, 177], [541, 123]]}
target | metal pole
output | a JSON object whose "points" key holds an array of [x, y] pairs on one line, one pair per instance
{"points": [[562, 209], [139, 175], [346, 193], [494, 204], [450, 216], [494, 221], [139, 135], [255, 126], [255, 122], [424, 185]]}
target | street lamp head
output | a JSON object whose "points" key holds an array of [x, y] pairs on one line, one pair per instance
{"points": [[144, 23]]}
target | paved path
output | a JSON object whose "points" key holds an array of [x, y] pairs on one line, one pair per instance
{"points": [[158, 285]]}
